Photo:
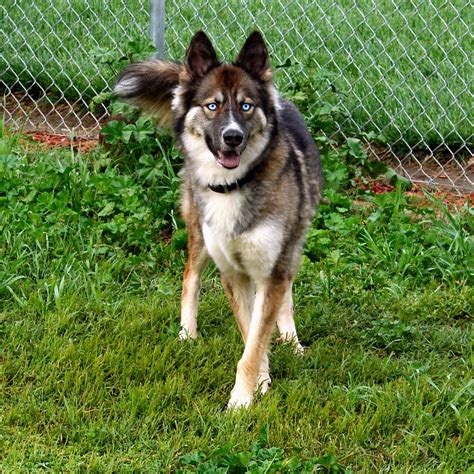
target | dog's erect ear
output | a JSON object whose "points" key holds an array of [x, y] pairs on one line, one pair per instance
{"points": [[150, 85], [200, 56], [253, 57]]}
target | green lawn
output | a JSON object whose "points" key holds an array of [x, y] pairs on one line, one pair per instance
{"points": [[401, 69], [94, 378]]}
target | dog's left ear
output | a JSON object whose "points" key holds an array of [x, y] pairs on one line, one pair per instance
{"points": [[253, 57]]}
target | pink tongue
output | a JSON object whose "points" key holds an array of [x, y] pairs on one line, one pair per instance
{"points": [[228, 159]]}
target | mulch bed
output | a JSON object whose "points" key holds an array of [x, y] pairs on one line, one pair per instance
{"points": [[55, 140], [450, 198]]}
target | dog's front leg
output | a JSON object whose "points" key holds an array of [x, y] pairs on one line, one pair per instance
{"points": [[240, 291], [268, 298], [197, 260]]}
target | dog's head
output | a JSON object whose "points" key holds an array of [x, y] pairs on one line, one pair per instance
{"points": [[226, 105], [221, 112]]}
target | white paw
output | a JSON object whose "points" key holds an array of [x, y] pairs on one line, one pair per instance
{"points": [[185, 334], [264, 383], [239, 399], [288, 338], [299, 349]]}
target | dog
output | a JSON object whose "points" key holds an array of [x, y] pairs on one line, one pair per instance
{"points": [[252, 181]]}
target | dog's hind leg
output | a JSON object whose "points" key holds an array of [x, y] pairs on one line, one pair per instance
{"points": [[197, 260], [268, 299], [286, 322]]}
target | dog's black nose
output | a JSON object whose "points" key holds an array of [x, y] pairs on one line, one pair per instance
{"points": [[233, 137]]}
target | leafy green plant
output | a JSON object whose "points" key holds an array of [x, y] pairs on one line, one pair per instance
{"points": [[136, 49], [344, 159], [259, 459], [393, 335], [8, 145], [320, 109], [147, 153], [118, 209], [137, 147], [393, 235]]}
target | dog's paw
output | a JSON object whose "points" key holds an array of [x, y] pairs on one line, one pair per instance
{"points": [[185, 334], [239, 399], [299, 349], [293, 341], [264, 383]]}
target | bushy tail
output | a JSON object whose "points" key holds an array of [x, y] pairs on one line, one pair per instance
{"points": [[150, 86]]}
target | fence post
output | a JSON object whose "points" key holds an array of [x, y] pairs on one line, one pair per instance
{"points": [[157, 26]]}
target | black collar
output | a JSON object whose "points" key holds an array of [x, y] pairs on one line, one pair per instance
{"points": [[227, 188]]}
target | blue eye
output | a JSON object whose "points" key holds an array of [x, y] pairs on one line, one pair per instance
{"points": [[246, 106], [212, 106]]}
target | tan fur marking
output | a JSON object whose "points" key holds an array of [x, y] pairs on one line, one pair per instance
{"points": [[197, 261]]}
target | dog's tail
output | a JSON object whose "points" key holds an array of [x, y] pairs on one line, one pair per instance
{"points": [[150, 85]]}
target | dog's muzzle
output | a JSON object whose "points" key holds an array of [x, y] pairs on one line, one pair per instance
{"points": [[230, 158]]}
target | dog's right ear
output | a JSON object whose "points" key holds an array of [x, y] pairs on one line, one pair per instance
{"points": [[200, 56], [150, 85]]}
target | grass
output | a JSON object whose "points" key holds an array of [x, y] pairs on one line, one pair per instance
{"points": [[94, 378], [399, 69]]}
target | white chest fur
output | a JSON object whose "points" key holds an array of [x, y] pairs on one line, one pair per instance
{"points": [[253, 252]]}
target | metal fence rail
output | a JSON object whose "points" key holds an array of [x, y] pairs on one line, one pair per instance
{"points": [[400, 69]]}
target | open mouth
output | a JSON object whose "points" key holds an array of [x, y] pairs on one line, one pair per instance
{"points": [[228, 159]]}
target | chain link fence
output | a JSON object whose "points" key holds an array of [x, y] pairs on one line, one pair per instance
{"points": [[397, 69]]}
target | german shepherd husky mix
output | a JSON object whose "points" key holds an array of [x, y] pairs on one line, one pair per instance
{"points": [[252, 182]]}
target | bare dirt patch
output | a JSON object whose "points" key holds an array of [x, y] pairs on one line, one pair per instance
{"points": [[441, 168], [23, 113]]}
